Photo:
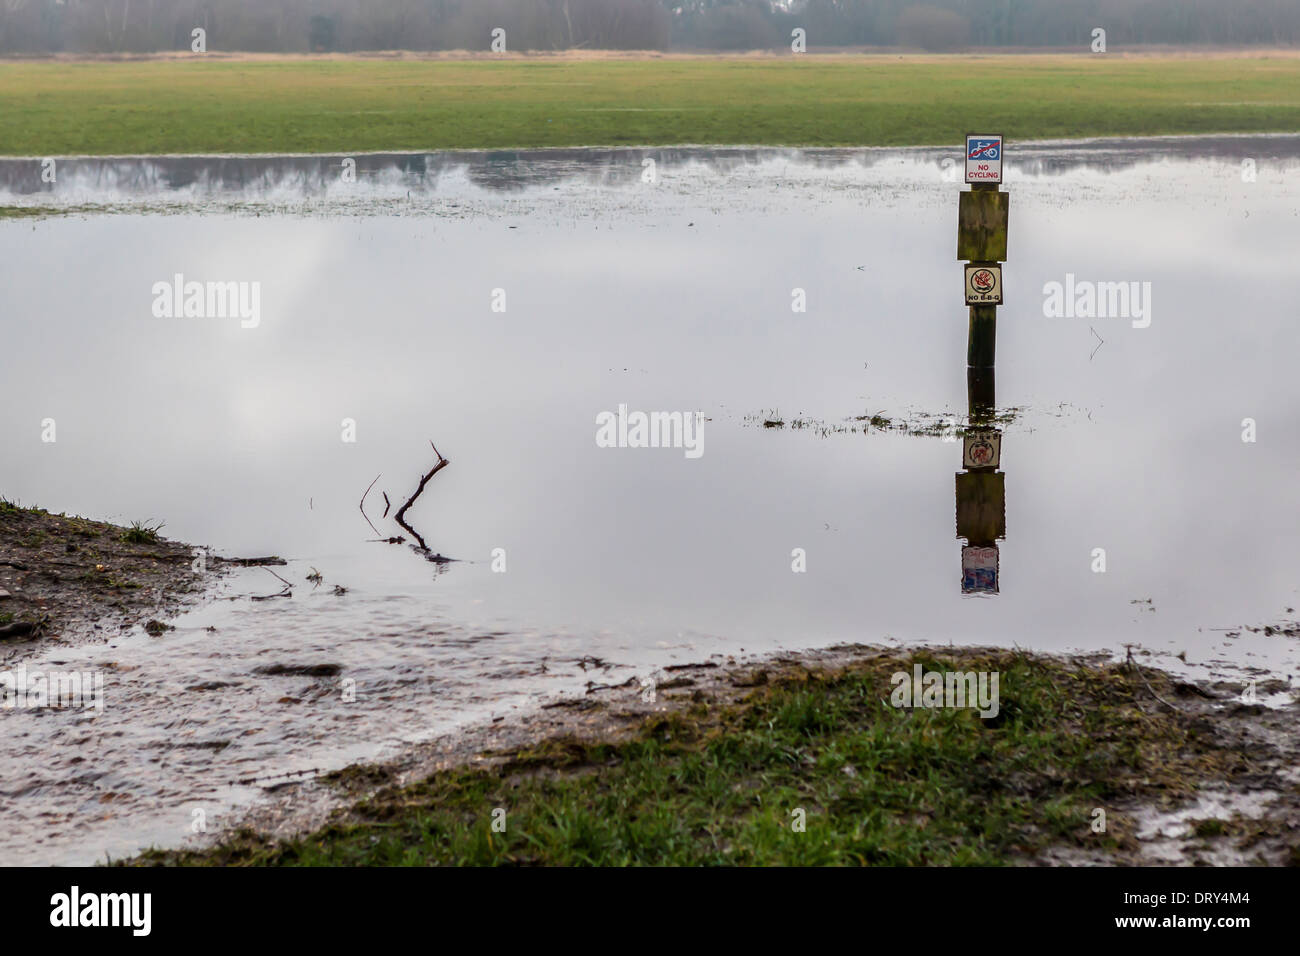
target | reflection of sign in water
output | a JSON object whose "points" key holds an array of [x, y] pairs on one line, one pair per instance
{"points": [[982, 449], [984, 158], [979, 570], [983, 285]]}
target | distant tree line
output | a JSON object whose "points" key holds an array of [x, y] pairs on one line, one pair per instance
{"points": [[139, 26]]}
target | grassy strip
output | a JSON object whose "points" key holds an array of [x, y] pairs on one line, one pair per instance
{"points": [[193, 104], [30, 212], [717, 784]]}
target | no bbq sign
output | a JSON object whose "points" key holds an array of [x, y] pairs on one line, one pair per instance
{"points": [[984, 285], [984, 158]]}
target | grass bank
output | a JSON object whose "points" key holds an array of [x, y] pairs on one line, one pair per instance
{"points": [[717, 769], [196, 104]]}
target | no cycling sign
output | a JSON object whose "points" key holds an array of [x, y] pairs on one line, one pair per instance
{"points": [[984, 158]]}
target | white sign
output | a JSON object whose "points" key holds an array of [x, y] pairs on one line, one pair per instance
{"points": [[984, 158], [983, 285], [981, 449]]}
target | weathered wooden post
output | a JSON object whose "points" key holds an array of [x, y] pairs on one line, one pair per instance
{"points": [[982, 215], [981, 394]]}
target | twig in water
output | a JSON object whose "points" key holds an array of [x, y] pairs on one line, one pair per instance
{"points": [[287, 592], [442, 463], [363, 505], [282, 580], [243, 562]]}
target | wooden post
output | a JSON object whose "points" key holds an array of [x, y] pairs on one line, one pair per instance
{"points": [[982, 216], [981, 394], [981, 344], [982, 240]]}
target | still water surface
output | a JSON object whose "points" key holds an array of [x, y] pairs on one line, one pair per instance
{"points": [[376, 305]]}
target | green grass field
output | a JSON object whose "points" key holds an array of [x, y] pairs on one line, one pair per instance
{"points": [[197, 105]]}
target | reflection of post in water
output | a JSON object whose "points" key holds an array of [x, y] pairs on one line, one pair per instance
{"points": [[981, 509], [982, 244]]}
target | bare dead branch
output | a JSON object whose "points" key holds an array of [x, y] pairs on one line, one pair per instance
{"points": [[280, 579], [401, 512], [286, 591]]}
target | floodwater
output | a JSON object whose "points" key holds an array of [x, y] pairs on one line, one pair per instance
{"points": [[663, 287]]}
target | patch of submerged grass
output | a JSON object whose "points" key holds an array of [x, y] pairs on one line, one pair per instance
{"points": [[720, 785], [1210, 828], [24, 212], [922, 424]]}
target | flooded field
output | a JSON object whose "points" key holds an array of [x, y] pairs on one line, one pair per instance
{"points": [[500, 306]]}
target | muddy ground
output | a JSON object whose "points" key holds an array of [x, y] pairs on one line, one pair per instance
{"points": [[65, 578], [1239, 806]]}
